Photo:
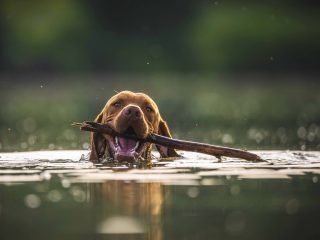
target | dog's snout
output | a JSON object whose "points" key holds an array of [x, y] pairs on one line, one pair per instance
{"points": [[132, 112]]}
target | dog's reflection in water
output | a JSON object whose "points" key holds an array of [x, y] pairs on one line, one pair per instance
{"points": [[129, 210]]}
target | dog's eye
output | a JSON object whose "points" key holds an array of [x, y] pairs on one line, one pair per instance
{"points": [[149, 109], [117, 104]]}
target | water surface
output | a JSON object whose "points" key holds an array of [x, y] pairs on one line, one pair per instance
{"points": [[54, 195]]}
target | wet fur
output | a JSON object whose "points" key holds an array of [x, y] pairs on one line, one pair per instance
{"points": [[149, 123]]}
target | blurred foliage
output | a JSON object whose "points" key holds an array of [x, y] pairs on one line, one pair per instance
{"points": [[159, 35], [61, 60], [215, 109], [241, 38]]}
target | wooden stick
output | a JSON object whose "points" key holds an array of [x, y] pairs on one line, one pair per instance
{"points": [[172, 143]]}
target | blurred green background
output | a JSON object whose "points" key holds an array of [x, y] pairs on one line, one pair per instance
{"points": [[237, 73]]}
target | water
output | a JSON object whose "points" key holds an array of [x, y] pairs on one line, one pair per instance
{"points": [[54, 195], [235, 111]]}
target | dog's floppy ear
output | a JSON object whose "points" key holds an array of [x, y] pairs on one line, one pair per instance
{"points": [[98, 143], [165, 152]]}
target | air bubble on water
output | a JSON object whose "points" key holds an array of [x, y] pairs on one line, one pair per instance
{"points": [[227, 139], [65, 183], [121, 225], [78, 194], [24, 145], [257, 135], [85, 146], [211, 182], [54, 196], [311, 137], [51, 146], [32, 139], [32, 201], [302, 132], [303, 146], [193, 192], [314, 179], [45, 175]]}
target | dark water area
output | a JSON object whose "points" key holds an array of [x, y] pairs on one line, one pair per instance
{"points": [[60, 195], [242, 209]]}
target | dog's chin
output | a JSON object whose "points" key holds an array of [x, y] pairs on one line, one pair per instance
{"points": [[125, 149]]}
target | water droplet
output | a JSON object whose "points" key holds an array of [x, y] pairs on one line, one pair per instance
{"points": [[24, 145], [65, 183], [314, 179], [78, 194], [227, 139], [85, 146], [121, 225], [193, 192], [45, 175], [51, 146], [210, 181], [302, 132], [32, 139], [54, 196], [32, 201]]}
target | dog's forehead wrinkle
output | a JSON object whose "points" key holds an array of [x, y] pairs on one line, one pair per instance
{"points": [[130, 94]]}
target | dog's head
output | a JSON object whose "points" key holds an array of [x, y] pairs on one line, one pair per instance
{"points": [[131, 113]]}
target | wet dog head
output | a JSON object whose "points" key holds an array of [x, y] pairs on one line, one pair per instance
{"points": [[130, 113]]}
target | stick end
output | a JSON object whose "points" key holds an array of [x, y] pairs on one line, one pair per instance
{"points": [[76, 124]]}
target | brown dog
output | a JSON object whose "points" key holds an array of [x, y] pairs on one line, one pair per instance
{"points": [[132, 113]]}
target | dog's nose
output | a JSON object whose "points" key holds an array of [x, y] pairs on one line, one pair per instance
{"points": [[132, 112]]}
